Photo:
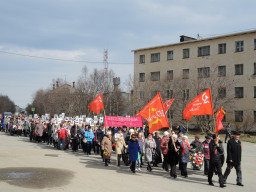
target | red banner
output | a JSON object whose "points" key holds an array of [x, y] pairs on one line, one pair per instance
{"points": [[167, 105], [219, 116], [154, 113], [113, 121], [200, 105], [97, 104]]}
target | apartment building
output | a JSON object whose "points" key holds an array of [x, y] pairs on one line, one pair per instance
{"points": [[226, 64]]}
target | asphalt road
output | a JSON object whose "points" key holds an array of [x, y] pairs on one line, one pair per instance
{"points": [[26, 166]]}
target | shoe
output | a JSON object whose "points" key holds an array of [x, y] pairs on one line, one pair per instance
{"points": [[211, 183], [240, 184], [222, 185], [136, 169], [133, 171], [139, 169], [175, 176]]}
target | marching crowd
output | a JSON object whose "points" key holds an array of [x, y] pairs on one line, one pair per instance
{"points": [[138, 147]]}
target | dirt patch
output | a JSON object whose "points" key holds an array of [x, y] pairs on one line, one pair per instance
{"points": [[33, 177]]}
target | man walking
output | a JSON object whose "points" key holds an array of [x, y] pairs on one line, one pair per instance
{"points": [[234, 151]]}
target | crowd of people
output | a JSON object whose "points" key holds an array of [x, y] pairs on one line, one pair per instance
{"points": [[137, 147]]}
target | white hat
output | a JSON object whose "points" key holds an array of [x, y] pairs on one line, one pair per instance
{"points": [[109, 133], [174, 136], [166, 133], [131, 131]]}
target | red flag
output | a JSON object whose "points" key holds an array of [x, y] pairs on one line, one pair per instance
{"points": [[153, 112], [97, 104], [219, 116], [167, 105], [200, 105]]}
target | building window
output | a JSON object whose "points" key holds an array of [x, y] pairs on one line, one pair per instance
{"points": [[170, 75], [142, 94], [169, 94], [185, 53], [222, 48], [222, 92], [254, 92], [254, 116], [203, 51], [239, 92], [185, 94], [169, 55], [239, 116], [254, 69], [153, 93], [185, 73], [203, 72], [254, 44], [239, 69], [155, 76], [142, 77], [221, 71], [155, 57], [239, 46], [142, 58]]}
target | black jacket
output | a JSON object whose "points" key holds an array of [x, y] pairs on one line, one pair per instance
{"points": [[49, 128], [215, 152], [173, 156], [234, 151]]}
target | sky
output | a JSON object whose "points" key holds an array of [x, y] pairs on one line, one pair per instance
{"points": [[80, 30]]}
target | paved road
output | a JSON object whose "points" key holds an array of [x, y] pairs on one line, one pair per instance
{"points": [[26, 166]]}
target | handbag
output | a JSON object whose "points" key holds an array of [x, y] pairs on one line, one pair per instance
{"points": [[84, 140]]}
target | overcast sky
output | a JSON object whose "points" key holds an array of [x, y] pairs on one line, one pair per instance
{"points": [[82, 29]]}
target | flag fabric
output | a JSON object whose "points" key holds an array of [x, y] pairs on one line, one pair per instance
{"points": [[154, 113], [200, 105], [97, 104], [219, 116], [167, 105]]}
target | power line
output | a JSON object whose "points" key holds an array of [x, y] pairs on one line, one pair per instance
{"points": [[66, 60]]}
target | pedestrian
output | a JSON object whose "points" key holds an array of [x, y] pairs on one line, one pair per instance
{"points": [[50, 132], [26, 128], [184, 157], [141, 141], [119, 145], [74, 137], [228, 132], [158, 155], [89, 137], [106, 147], [149, 148], [164, 148], [173, 154], [234, 153], [62, 134], [133, 150], [215, 161], [206, 151], [39, 131]]}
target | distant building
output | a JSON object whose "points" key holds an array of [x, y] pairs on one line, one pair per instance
{"points": [[226, 64]]}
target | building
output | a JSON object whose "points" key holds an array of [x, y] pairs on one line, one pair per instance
{"points": [[226, 64]]}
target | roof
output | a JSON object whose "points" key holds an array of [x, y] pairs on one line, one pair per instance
{"points": [[198, 40]]}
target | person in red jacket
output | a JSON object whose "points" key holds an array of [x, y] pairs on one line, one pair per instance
{"points": [[62, 134], [164, 148]]}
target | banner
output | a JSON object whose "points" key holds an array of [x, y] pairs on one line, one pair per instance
{"points": [[200, 105], [219, 116], [97, 104], [167, 105], [154, 113], [113, 121]]}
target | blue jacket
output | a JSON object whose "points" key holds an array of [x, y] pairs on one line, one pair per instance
{"points": [[133, 150], [88, 134]]}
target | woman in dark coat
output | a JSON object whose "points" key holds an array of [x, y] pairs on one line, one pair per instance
{"points": [[158, 157], [173, 154], [133, 150]]}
